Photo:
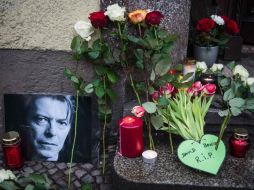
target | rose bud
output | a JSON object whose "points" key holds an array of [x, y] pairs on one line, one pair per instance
{"points": [[138, 111], [209, 89], [137, 16], [197, 86], [172, 71], [192, 92], [162, 91], [154, 18], [98, 19], [155, 95]]}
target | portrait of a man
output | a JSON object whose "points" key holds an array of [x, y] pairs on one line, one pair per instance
{"points": [[46, 124]]}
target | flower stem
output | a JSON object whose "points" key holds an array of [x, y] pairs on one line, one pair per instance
{"points": [[134, 89], [171, 143], [156, 36], [139, 30], [74, 139], [222, 129], [151, 143], [103, 132]]}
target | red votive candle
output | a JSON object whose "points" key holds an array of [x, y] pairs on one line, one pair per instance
{"points": [[131, 136], [11, 144], [239, 143]]}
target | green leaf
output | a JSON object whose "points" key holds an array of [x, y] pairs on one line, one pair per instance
{"points": [[228, 95], [96, 45], [133, 39], [162, 33], [150, 107], [252, 88], [87, 187], [235, 111], [167, 47], [225, 82], [93, 54], [178, 67], [231, 65], [163, 101], [99, 91], [152, 76], [249, 104], [187, 77], [8, 185], [104, 109], [111, 94], [75, 44], [67, 72], [237, 102], [89, 88], [139, 53], [100, 69], [112, 76], [157, 121], [141, 86], [163, 65], [74, 79], [37, 178], [29, 187]]}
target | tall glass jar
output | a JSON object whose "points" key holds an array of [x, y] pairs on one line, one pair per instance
{"points": [[11, 144]]}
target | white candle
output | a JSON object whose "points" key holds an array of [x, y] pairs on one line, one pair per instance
{"points": [[149, 156], [189, 68]]}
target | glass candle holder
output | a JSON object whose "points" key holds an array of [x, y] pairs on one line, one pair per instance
{"points": [[189, 66], [239, 143], [207, 79], [11, 144]]}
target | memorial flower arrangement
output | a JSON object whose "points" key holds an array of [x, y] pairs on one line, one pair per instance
{"points": [[182, 111], [237, 90], [144, 49], [215, 30]]}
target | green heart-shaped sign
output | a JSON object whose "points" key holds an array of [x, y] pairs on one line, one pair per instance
{"points": [[202, 156]]}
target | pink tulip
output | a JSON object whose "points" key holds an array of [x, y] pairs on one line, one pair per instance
{"points": [[197, 86], [155, 95], [167, 90], [192, 92], [138, 111], [209, 89]]}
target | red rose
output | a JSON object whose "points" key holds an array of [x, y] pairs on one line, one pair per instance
{"points": [[225, 18], [209, 89], [155, 95], [232, 27], [98, 19], [154, 18], [205, 25]]}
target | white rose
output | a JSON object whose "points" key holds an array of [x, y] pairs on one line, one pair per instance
{"points": [[84, 29], [216, 67], [6, 174], [201, 66], [218, 19], [250, 81], [240, 70], [115, 12]]}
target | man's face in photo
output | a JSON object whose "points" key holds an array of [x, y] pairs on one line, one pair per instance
{"points": [[49, 125]]}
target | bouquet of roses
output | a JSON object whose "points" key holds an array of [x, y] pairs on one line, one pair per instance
{"points": [[214, 30]]}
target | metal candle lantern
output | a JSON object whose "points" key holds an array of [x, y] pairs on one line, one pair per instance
{"points": [[239, 143], [11, 144]]}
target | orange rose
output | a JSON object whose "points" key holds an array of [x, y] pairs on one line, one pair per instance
{"points": [[137, 16]]}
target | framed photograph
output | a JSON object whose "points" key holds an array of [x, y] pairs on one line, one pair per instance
{"points": [[46, 126]]}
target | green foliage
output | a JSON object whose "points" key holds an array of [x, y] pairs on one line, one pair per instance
{"points": [[183, 115], [31, 182], [150, 107]]}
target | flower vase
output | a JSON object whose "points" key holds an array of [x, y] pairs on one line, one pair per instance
{"points": [[206, 54]]}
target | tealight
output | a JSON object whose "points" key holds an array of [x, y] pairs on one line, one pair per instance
{"points": [[149, 156]]}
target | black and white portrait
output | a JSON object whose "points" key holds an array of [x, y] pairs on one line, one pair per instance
{"points": [[46, 126]]}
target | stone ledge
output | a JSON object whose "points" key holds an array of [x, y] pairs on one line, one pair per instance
{"points": [[168, 172]]}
